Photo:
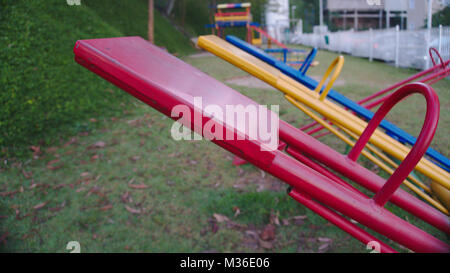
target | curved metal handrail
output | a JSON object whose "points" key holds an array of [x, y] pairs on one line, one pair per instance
{"points": [[337, 65], [430, 51], [418, 150]]}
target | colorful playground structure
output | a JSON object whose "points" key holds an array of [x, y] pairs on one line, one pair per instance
{"points": [[291, 83], [313, 170], [238, 15]]}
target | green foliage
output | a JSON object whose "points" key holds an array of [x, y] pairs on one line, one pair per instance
{"points": [[131, 19], [43, 92], [308, 11], [441, 18]]}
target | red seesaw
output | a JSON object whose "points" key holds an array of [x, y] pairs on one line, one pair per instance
{"points": [[163, 82]]}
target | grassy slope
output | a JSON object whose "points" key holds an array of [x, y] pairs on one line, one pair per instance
{"points": [[130, 18], [44, 93], [87, 197]]}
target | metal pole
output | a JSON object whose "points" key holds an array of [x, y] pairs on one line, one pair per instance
{"points": [[430, 17], [387, 18], [440, 39], [370, 44], [430, 8], [397, 44], [321, 12], [345, 19], [380, 21]]}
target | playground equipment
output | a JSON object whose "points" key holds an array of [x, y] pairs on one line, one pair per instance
{"points": [[290, 56], [432, 75], [227, 16], [300, 95], [163, 82], [239, 15]]}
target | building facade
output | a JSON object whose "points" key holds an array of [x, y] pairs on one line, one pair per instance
{"points": [[364, 14]]}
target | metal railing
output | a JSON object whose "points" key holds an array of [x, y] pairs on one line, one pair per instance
{"points": [[404, 48]]}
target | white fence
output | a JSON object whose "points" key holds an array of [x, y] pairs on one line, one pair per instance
{"points": [[405, 48]]}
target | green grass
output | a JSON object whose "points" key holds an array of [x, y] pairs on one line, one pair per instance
{"points": [[87, 195], [44, 94]]}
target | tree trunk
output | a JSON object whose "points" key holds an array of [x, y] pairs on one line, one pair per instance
{"points": [[150, 21]]}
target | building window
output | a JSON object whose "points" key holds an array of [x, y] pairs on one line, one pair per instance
{"points": [[412, 4]]}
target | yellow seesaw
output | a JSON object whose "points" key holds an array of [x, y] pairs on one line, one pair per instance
{"points": [[299, 93]]}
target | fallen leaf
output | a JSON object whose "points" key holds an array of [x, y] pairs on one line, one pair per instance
{"points": [[51, 150], [324, 247], [136, 186], [107, 207], [95, 190], [263, 174], [55, 209], [324, 239], [70, 142], [299, 220], [17, 211], [125, 197], [265, 244], [8, 193], [40, 206], [268, 233], [193, 162], [51, 162], [252, 233], [220, 218], [27, 174], [135, 158], [84, 174], [235, 226], [274, 218], [214, 227], [3, 238], [51, 165], [36, 151], [237, 211], [97, 145], [133, 211]]}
